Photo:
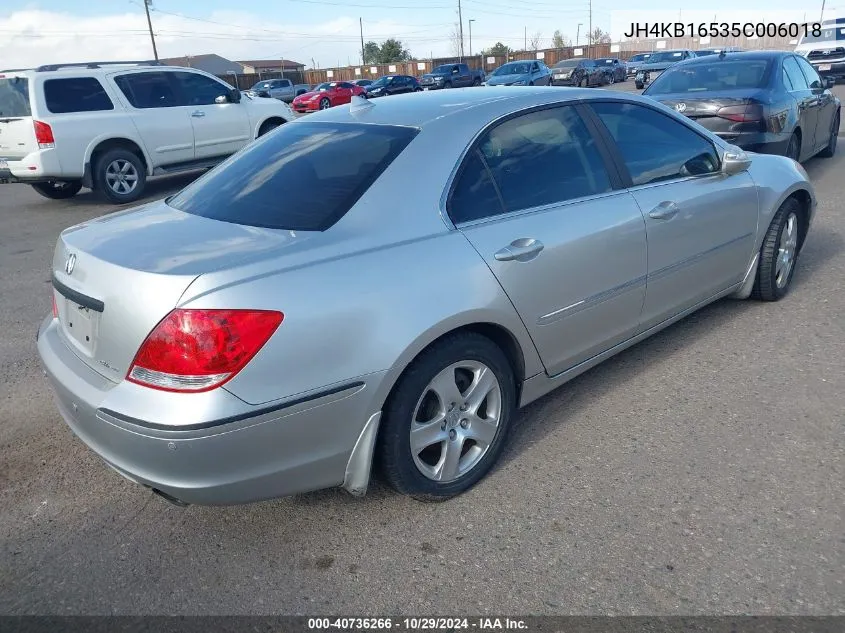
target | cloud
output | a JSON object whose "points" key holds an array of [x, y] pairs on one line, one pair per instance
{"points": [[32, 37]]}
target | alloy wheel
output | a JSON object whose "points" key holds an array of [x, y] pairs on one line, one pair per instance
{"points": [[121, 176], [786, 250], [456, 420]]}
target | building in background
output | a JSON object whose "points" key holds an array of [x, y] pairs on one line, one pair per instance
{"points": [[210, 63], [258, 66]]}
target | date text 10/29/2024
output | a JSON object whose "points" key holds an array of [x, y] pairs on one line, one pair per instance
{"points": [[417, 624], [724, 29]]}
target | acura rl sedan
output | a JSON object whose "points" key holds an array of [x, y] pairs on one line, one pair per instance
{"points": [[282, 325]]}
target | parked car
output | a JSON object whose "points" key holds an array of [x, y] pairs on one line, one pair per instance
{"points": [[613, 68], [301, 89], [704, 52], [452, 76], [327, 95], [635, 62], [826, 52], [108, 126], [578, 72], [392, 85], [773, 102], [362, 82], [281, 89], [270, 329], [521, 73], [657, 63]]}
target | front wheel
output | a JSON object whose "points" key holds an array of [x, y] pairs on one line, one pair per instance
{"points": [[779, 253], [639, 85], [446, 422], [120, 176], [612, 80], [325, 104], [476, 82], [448, 84], [59, 190], [267, 126]]}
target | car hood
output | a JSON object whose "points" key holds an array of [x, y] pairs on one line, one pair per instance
{"points": [[308, 95], [505, 79], [433, 75]]}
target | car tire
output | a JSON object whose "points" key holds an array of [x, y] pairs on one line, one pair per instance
{"points": [[779, 253], [476, 82], [58, 190], [830, 150], [638, 85], [581, 82], [324, 104], [448, 84], [611, 79], [120, 176], [267, 126], [433, 388], [793, 148]]}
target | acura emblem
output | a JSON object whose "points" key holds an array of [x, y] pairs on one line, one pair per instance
{"points": [[70, 263], [681, 107]]}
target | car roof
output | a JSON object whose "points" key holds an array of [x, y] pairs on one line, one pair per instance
{"points": [[746, 55]]}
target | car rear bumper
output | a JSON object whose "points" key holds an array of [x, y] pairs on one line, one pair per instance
{"points": [[564, 82], [39, 166], [265, 452]]}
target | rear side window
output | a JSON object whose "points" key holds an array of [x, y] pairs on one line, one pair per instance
{"points": [[148, 90], [78, 94], [654, 146], [14, 97], [304, 176]]}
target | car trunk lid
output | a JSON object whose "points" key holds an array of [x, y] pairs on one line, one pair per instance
{"points": [[726, 115], [116, 277], [17, 133]]}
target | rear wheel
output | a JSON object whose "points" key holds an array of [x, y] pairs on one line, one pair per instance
{"points": [[120, 176], [446, 422], [779, 253], [830, 150], [59, 190], [793, 148]]}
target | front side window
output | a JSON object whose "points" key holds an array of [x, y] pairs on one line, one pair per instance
{"points": [[534, 159], [302, 177], [654, 146], [79, 94], [148, 90], [200, 90]]}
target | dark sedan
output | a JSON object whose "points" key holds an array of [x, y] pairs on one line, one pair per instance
{"points": [[613, 68], [768, 102], [578, 72], [393, 85]]}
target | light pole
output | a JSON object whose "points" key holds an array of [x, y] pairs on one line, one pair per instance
{"points": [[578, 34], [470, 37]]}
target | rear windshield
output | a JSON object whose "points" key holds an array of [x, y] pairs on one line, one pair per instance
{"points": [[14, 97], [304, 176], [77, 94], [719, 76]]}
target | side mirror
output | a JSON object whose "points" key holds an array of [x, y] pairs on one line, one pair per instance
{"points": [[828, 82], [455, 71], [234, 96], [735, 161]]}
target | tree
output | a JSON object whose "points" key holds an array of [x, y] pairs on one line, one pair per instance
{"points": [[598, 37], [534, 42], [498, 49], [455, 41], [372, 52], [392, 50], [559, 40]]}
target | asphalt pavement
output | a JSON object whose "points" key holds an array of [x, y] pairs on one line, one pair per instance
{"points": [[699, 472]]}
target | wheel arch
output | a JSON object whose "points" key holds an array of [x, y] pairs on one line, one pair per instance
{"points": [[273, 118], [100, 146]]}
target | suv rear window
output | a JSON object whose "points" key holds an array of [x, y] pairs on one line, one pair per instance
{"points": [[78, 94], [14, 97], [304, 176]]}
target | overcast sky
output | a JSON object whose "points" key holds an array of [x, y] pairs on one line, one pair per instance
{"points": [[325, 31]]}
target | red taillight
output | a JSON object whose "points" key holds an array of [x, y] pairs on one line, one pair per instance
{"points": [[55, 307], [742, 113], [198, 350], [44, 135]]}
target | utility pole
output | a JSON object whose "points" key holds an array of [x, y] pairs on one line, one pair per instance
{"points": [[590, 33], [147, 4], [821, 18], [361, 25], [578, 34], [470, 37], [461, 29], [525, 43]]}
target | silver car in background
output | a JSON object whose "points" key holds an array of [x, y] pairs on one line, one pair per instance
{"points": [[282, 325]]}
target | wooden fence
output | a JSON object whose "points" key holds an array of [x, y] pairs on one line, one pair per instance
{"points": [[247, 81]]}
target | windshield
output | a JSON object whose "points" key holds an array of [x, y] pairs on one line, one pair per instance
{"points": [[704, 53], [322, 87], [14, 97], [513, 68], [607, 61], [828, 34], [381, 81], [272, 182], [261, 85], [445, 68], [569, 63], [640, 58], [667, 56], [713, 77]]}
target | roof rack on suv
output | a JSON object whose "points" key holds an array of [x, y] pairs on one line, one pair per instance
{"points": [[14, 70], [50, 67]]}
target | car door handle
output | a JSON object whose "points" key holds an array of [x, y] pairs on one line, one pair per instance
{"points": [[664, 211], [198, 114], [522, 250]]}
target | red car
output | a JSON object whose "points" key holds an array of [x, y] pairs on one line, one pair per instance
{"points": [[327, 95]]}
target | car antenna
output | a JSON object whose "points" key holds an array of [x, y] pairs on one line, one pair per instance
{"points": [[360, 104]]}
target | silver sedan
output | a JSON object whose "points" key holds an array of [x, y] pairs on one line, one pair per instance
{"points": [[384, 285]]}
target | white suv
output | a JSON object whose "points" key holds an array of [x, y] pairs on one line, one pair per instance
{"points": [[108, 126]]}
